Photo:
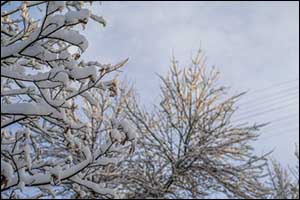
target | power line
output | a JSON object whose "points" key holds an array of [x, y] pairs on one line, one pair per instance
{"points": [[255, 109], [274, 85], [263, 112], [272, 108], [285, 118], [286, 132], [274, 125], [278, 126], [275, 99], [245, 112], [269, 99], [278, 93], [284, 129]]}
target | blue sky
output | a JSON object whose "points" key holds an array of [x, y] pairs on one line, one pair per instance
{"points": [[253, 44]]}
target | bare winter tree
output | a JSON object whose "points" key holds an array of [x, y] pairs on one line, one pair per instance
{"points": [[190, 148], [284, 183], [60, 115]]}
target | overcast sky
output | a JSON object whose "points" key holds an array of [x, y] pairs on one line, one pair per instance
{"points": [[253, 44]]}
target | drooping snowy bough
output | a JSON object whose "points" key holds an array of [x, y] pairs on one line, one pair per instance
{"points": [[61, 130]]}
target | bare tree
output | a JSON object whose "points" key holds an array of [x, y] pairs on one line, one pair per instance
{"points": [[59, 113], [189, 146], [284, 183]]}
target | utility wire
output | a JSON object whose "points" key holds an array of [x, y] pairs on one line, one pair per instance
{"points": [[288, 117], [287, 123], [267, 96], [280, 133], [266, 109], [260, 107], [277, 97], [274, 85], [284, 122], [269, 99], [263, 112]]}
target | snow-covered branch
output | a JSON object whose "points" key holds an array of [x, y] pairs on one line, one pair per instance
{"points": [[57, 110]]}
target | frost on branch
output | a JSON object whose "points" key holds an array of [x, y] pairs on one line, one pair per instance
{"points": [[284, 183], [189, 148], [56, 109], [126, 127]]}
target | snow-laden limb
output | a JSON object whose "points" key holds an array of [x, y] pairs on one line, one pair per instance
{"points": [[53, 29], [12, 120], [71, 37], [54, 75], [37, 109], [106, 161], [95, 187], [45, 88], [14, 92], [73, 17], [57, 174], [82, 73], [44, 179], [15, 48], [98, 19]]}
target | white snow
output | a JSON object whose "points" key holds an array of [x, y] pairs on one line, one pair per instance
{"points": [[52, 23], [126, 127], [56, 175], [116, 135], [73, 17], [25, 109], [38, 74], [6, 170], [48, 84], [87, 152], [82, 73], [71, 64], [27, 156], [15, 48], [98, 19], [64, 55], [87, 95], [56, 5], [59, 75], [71, 36], [8, 121], [95, 187], [55, 74], [129, 129], [105, 161], [21, 186], [13, 92]]}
